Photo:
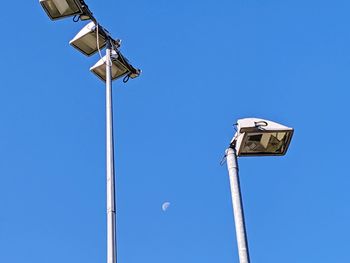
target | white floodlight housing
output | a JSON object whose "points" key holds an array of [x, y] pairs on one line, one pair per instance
{"points": [[259, 137], [120, 67], [57, 9], [86, 40]]}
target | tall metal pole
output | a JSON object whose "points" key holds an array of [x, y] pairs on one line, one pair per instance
{"points": [[232, 166], [111, 207]]}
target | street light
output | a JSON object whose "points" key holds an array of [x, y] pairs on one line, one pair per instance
{"points": [[254, 137], [57, 9], [258, 137], [120, 67], [90, 39]]}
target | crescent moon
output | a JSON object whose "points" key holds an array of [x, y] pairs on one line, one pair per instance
{"points": [[165, 206]]}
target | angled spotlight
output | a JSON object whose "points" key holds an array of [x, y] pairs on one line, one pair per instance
{"points": [[120, 67], [57, 9], [86, 40], [258, 137]]}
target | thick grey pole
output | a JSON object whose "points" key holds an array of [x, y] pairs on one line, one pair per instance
{"points": [[111, 207], [232, 166]]}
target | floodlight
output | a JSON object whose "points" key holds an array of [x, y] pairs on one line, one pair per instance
{"points": [[120, 67], [86, 40], [57, 9], [258, 137]]}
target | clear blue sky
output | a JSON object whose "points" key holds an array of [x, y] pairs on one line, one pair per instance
{"points": [[205, 64]]}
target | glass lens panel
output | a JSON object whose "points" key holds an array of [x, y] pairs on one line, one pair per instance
{"points": [[60, 8], [265, 143], [88, 43]]}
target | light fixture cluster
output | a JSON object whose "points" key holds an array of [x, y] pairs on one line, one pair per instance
{"points": [[92, 38]]}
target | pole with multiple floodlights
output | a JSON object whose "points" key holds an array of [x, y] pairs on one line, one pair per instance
{"points": [[254, 137], [91, 39]]}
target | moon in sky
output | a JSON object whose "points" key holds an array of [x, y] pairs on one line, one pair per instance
{"points": [[165, 206]]}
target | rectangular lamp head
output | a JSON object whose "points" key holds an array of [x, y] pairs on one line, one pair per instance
{"points": [[86, 40], [120, 67], [57, 9], [257, 137]]}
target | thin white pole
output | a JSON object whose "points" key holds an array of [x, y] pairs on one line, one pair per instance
{"points": [[232, 166], [111, 207]]}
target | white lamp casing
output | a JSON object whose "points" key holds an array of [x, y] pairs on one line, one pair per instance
{"points": [[86, 40], [259, 137], [57, 9]]}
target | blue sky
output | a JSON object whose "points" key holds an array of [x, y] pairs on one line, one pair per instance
{"points": [[205, 64]]}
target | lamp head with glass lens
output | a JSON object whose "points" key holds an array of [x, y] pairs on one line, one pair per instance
{"points": [[90, 39], [120, 67], [259, 137], [57, 9]]}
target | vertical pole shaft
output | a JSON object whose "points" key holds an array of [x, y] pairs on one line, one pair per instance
{"points": [[232, 166], [111, 207]]}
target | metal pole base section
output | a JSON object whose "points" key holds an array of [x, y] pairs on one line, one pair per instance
{"points": [[238, 213], [111, 207]]}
